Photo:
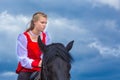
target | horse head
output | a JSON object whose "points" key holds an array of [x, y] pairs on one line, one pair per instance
{"points": [[56, 62]]}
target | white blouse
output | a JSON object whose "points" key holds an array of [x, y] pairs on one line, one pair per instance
{"points": [[22, 50]]}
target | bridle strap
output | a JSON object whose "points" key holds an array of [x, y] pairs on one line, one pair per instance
{"points": [[45, 72]]}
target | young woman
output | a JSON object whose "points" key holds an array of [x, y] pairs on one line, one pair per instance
{"points": [[28, 52]]}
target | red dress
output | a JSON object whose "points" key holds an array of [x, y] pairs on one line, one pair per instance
{"points": [[34, 53]]}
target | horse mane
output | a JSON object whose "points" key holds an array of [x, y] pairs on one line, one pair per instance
{"points": [[57, 50]]}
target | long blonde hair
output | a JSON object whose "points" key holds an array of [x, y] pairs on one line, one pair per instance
{"points": [[35, 18]]}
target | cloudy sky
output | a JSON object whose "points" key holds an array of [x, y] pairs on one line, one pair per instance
{"points": [[94, 25]]}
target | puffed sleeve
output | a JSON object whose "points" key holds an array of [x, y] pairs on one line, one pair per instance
{"points": [[48, 38], [22, 51]]}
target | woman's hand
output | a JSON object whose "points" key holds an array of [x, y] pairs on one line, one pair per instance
{"points": [[40, 63]]}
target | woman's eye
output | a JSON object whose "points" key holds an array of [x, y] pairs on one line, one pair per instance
{"points": [[43, 22]]}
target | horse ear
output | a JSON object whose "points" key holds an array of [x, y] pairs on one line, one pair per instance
{"points": [[42, 46], [69, 45]]}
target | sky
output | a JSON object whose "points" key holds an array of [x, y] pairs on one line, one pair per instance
{"points": [[94, 25]]}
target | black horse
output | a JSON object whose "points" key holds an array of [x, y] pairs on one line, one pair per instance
{"points": [[56, 63]]}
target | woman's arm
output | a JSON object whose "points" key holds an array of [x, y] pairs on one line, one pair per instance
{"points": [[22, 51]]}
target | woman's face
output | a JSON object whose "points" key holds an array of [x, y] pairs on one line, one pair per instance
{"points": [[40, 24]]}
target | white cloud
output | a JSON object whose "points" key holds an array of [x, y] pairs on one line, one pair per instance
{"points": [[67, 29], [111, 24], [8, 74], [10, 27], [12, 24], [84, 34], [105, 50], [111, 3], [108, 25]]}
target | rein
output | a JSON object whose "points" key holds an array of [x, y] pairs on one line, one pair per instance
{"points": [[45, 72]]}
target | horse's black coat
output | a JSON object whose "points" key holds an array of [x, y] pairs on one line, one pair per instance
{"points": [[56, 63]]}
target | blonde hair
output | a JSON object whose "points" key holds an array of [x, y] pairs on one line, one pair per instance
{"points": [[35, 18]]}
